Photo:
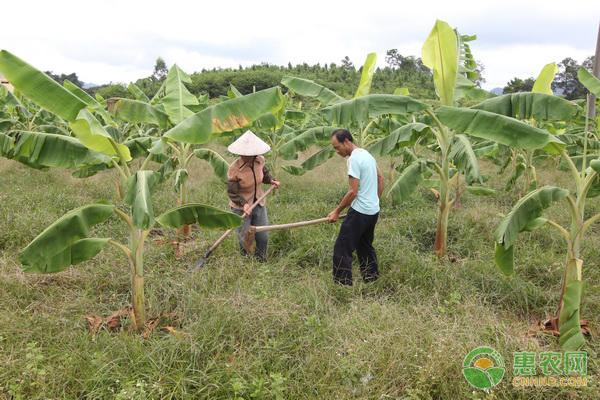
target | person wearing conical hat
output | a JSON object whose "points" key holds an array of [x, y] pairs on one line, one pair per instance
{"points": [[244, 186]]}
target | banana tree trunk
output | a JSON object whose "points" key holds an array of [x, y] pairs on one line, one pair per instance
{"points": [[137, 287]]}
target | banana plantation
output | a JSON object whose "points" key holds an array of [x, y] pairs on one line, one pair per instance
{"points": [[489, 235]]}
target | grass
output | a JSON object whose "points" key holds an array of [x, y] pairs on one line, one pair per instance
{"points": [[283, 329]]}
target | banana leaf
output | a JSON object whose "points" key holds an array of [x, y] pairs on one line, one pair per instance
{"points": [[309, 88], [137, 92], [528, 209], [366, 108], [499, 128], [138, 112], [39, 87], [305, 140], [92, 134], [205, 216], [61, 242], [177, 96], [90, 101], [218, 163], [465, 160], [56, 151], [543, 82], [440, 54], [540, 106], [364, 86], [589, 81], [403, 136], [140, 188], [408, 181], [223, 117]]}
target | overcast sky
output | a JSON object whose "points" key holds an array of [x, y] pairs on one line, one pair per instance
{"points": [[119, 40]]}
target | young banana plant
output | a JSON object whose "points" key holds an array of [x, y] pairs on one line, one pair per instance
{"points": [[67, 242], [527, 216]]}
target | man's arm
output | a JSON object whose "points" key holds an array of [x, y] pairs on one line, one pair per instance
{"points": [[379, 183], [347, 200]]}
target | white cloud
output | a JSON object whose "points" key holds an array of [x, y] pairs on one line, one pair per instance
{"points": [[119, 40]]}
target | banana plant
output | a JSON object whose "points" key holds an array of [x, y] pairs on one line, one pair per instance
{"points": [[188, 122], [67, 242], [526, 216], [452, 128]]}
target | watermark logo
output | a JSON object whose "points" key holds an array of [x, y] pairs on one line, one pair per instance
{"points": [[483, 367], [556, 368]]}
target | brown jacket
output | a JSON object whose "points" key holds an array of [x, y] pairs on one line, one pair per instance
{"points": [[244, 182]]}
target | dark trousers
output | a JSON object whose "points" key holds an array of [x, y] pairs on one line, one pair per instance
{"points": [[356, 233]]}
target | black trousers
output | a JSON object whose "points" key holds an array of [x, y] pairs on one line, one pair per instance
{"points": [[356, 233]]}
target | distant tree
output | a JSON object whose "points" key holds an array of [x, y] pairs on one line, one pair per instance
{"points": [[72, 77], [567, 81], [160, 69], [479, 70], [113, 90], [347, 64], [516, 85]]}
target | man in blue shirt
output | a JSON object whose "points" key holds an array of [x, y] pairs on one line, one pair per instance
{"points": [[357, 230]]}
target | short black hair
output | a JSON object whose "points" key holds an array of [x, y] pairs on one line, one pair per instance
{"points": [[342, 135]]}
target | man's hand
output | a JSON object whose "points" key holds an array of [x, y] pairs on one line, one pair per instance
{"points": [[276, 183], [333, 216], [247, 210]]}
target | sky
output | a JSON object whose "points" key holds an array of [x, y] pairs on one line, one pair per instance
{"points": [[119, 40]]}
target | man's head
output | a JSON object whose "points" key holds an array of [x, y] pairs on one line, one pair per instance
{"points": [[342, 142]]}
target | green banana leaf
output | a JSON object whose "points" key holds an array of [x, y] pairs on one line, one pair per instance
{"points": [[408, 181], [589, 81], [305, 140], [480, 191], [596, 166], [90, 101], [515, 175], [92, 134], [177, 96], [543, 82], [540, 106], [101, 100], [293, 170], [309, 88], [466, 67], [56, 150], [578, 162], [61, 242], [218, 163], [440, 54], [227, 116], [402, 91], [499, 128], [465, 160], [403, 136], [294, 115], [529, 208], [571, 336], [233, 93], [144, 145], [39, 87], [138, 112], [364, 86], [366, 108], [137, 92], [206, 216], [485, 149], [180, 176], [140, 188]]}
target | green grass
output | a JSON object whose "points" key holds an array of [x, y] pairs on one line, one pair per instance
{"points": [[283, 329]]}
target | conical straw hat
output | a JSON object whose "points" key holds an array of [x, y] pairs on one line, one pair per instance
{"points": [[248, 145]]}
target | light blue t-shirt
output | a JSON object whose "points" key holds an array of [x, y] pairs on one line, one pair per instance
{"points": [[362, 166]]}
